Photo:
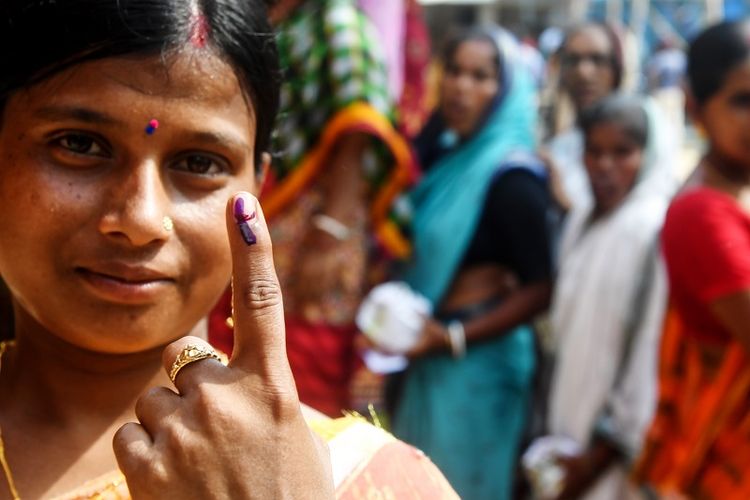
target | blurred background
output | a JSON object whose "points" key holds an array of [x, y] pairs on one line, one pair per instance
{"points": [[652, 19]]}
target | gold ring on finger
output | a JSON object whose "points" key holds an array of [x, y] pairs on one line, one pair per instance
{"points": [[192, 353]]}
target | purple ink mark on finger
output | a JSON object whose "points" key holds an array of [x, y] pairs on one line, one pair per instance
{"points": [[242, 219], [247, 234]]}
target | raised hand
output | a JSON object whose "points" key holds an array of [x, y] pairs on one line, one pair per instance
{"points": [[233, 431]]}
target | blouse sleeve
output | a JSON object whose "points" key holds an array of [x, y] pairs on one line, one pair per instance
{"points": [[706, 241], [520, 207]]}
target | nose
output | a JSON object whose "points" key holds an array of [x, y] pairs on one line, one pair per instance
{"points": [[138, 206], [586, 68], [604, 163], [464, 83]]}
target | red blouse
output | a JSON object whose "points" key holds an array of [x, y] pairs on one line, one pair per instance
{"points": [[706, 244]]}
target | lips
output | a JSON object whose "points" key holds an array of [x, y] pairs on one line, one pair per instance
{"points": [[125, 284]]}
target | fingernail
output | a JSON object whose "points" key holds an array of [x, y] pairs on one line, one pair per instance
{"points": [[242, 218]]}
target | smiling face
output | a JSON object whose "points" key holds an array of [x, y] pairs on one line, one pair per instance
{"points": [[84, 190], [469, 85], [613, 160]]}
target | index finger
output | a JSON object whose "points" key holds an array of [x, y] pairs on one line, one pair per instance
{"points": [[259, 334]]}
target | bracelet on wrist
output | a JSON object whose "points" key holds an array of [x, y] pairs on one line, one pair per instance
{"points": [[457, 336], [331, 226]]}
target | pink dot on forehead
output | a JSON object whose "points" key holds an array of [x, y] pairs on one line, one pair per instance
{"points": [[154, 123]]}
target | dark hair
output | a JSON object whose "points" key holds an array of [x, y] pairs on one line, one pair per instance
{"points": [[625, 111], [44, 37], [617, 59], [713, 54], [471, 35]]}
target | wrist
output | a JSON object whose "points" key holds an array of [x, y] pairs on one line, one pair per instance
{"points": [[332, 227], [457, 339]]}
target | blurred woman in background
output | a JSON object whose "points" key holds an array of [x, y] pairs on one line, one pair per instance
{"points": [[699, 441], [482, 259], [609, 299]]}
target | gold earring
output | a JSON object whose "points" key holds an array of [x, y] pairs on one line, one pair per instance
{"points": [[167, 223]]}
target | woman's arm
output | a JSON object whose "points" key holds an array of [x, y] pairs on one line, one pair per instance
{"points": [[733, 312], [520, 307], [706, 244], [344, 201], [517, 208]]}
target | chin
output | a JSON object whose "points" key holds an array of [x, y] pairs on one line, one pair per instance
{"points": [[125, 333]]}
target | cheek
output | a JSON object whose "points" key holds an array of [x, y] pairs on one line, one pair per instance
{"points": [[486, 93], [204, 234], [629, 171], [482, 94], [606, 78], [447, 86]]}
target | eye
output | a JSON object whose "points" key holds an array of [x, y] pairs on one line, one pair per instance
{"points": [[741, 99], [201, 164], [81, 144], [481, 76]]}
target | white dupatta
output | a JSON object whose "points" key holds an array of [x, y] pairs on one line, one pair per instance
{"points": [[606, 267]]}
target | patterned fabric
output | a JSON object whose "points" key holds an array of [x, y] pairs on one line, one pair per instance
{"points": [[699, 441], [414, 105], [330, 54], [367, 463]]}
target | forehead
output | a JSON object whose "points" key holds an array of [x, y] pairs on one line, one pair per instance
{"points": [[477, 52], [609, 131], [181, 82], [738, 78], [589, 39]]}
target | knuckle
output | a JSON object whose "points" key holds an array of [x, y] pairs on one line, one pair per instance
{"points": [[259, 294], [210, 408], [120, 442], [283, 403], [175, 439], [147, 400]]}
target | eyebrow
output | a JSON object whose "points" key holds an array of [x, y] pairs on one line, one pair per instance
{"points": [[219, 139], [99, 118], [75, 113]]}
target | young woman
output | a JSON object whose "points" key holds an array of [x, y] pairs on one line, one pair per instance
{"points": [[699, 441], [608, 301], [132, 142], [482, 258]]}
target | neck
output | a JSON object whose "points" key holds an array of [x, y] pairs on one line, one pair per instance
{"points": [[45, 378], [729, 172]]}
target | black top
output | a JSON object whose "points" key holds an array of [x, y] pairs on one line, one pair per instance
{"points": [[515, 228]]}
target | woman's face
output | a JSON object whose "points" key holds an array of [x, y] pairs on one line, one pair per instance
{"points": [[469, 85], [87, 195], [726, 118], [613, 160]]}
